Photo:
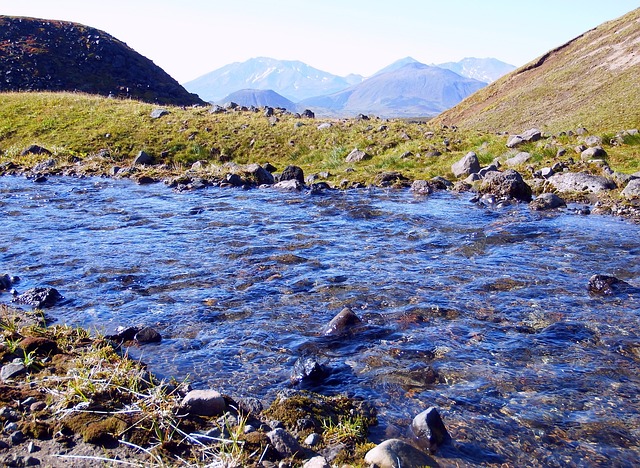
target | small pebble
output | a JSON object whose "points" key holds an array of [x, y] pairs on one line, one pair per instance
{"points": [[17, 438], [312, 439], [38, 406]]}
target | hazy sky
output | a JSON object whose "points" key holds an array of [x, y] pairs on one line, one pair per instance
{"points": [[189, 38]]}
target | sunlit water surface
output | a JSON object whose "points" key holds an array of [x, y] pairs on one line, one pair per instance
{"points": [[532, 370]]}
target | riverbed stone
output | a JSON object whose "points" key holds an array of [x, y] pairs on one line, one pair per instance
{"points": [[506, 184], [422, 187], [605, 285], [395, 453], [148, 335], [35, 149], [342, 322], [284, 443], [143, 159], [581, 182], [292, 185], [429, 426], [204, 403], [260, 175], [39, 297], [547, 201], [292, 173], [469, 164], [632, 190], [308, 369]]}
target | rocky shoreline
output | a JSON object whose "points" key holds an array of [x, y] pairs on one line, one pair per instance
{"points": [[579, 175]]}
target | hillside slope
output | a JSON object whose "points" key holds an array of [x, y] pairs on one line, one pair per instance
{"points": [[45, 55], [591, 81]]}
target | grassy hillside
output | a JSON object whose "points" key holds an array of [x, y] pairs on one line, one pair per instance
{"points": [[591, 81], [76, 127]]}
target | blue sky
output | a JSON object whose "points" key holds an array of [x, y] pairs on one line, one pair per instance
{"points": [[189, 38]]}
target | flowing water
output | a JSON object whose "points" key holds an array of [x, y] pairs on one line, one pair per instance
{"points": [[482, 313]]}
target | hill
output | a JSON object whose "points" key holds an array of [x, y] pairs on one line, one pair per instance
{"points": [[45, 55], [259, 98], [414, 89], [293, 79], [590, 81]]}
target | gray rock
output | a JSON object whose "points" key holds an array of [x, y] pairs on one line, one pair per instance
{"points": [[472, 178], [593, 140], [395, 453], [289, 185], [204, 402], [235, 180], [547, 201], [595, 152], [324, 126], [313, 439], [356, 156], [342, 322], [260, 174], [44, 166], [506, 184], [530, 135], [580, 182], [157, 113], [268, 112], [422, 187], [469, 164], [317, 462], [216, 109], [561, 152], [518, 159], [39, 297], [632, 190], [429, 426], [546, 172], [284, 443], [308, 114], [485, 170], [11, 370], [148, 335], [292, 173], [143, 159]]}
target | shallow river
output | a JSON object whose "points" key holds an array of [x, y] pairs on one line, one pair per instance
{"points": [[529, 368]]}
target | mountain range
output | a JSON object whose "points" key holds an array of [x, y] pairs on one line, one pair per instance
{"points": [[404, 88]]}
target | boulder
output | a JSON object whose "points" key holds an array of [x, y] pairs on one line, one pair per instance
{"points": [[143, 159], [422, 187], [469, 164], [429, 426], [342, 322], [547, 201], [316, 462], [292, 185], [391, 178], [356, 156], [292, 173], [39, 297], [506, 184], [324, 126], [593, 140], [395, 453], [260, 174], [308, 114], [204, 403], [44, 165], [157, 113], [147, 335], [216, 109], [580, 182], [632, 190], [268, 111], [595, 152], [284, 443], [530, 135], [518, 159]]}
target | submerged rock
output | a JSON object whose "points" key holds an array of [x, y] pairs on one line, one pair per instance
{"points": [[608, 285], [547, 201], [342, 322], [39, 297], [506, 184], [308, 369]]}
